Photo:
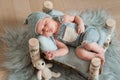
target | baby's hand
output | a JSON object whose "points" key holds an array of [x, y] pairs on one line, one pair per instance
{"points": [[50, 55], [80, 29], [102, 57]]}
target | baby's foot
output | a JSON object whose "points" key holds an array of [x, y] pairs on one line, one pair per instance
{"points": [[101, 51], [101, 56]]}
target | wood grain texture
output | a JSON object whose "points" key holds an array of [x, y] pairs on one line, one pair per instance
{"points": [[14, 12]]}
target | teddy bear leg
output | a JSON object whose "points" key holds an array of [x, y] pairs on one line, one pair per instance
{"points": [[56, 75]]}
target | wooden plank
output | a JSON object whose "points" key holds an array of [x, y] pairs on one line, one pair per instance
{"points": [[7, 12], [22, 10], [36, 5], [58, 4]]}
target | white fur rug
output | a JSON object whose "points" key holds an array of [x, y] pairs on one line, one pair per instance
{"points": [[18, 61]]}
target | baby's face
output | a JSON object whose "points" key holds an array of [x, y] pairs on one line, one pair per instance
{"points": [[49, 27]]}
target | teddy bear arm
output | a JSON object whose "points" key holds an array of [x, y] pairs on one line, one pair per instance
{"points": [[49, 65], [56, 75]]}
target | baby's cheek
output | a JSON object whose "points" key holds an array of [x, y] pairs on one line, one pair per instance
{"points": [[39, 31]]}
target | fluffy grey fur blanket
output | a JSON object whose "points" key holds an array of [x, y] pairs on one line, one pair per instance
{"points": [[18, 60]]}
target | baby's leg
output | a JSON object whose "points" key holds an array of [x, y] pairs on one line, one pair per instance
{"points": [[85, 54], [88, 55], [93, 46], [90, 40]]}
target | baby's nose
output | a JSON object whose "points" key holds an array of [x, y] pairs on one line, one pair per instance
{"points": [[46, 29]]}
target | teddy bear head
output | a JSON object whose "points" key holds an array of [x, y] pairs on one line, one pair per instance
{"points": [[40, 64]]}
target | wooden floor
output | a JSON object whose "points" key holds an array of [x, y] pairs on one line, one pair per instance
{"points": [[14, 12]]}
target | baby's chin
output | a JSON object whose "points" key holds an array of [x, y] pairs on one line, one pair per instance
{"points": [[48, 35]]}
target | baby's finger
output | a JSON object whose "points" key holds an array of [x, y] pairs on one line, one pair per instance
{"points": [[83, 29], [78, 31], [47, 55], [50, 57], [47, 52]]}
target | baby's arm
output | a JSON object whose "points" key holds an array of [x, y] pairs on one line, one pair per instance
{"points": [[77, 20], [61, 51], [62, 48]]}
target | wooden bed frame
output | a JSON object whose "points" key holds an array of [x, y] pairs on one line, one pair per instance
{"points": [[95, 68]]}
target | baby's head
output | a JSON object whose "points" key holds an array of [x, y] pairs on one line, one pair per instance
{"points": [[38, 21], [46, 27]]}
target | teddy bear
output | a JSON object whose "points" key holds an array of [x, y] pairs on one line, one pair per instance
{"points": [[44, 70]]}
